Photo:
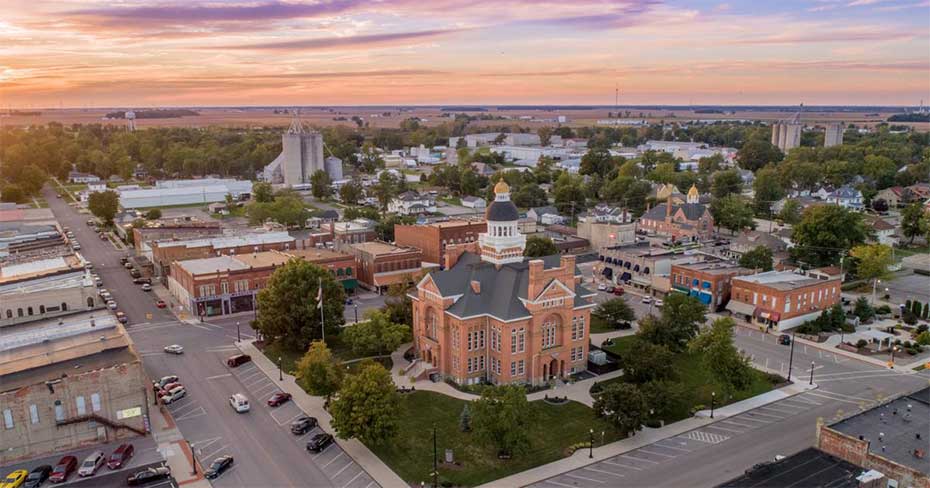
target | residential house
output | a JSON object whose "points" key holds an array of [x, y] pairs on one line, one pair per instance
{"points": [[846, 197], [412, 203], [547, 215], [476, 203]]}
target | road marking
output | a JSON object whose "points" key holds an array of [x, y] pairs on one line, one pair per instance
{"points": [[191, 415], [552, 482], [671, 447], [708, 437], [803, 399], [757, 412], [642, 450], [343, 469], [715, 426], [772, 409], [288, 420], [629, 455], [841, 395], [728, 421], [570, 475], [341, 453], [226, 375], [353, 479], [202, 327], [746, 417], [206, 442], [589, 468], [213, 453], [614, 463], [861, 377], [256, 392]]}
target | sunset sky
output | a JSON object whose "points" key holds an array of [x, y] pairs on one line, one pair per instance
{"points": [[79, 53]]}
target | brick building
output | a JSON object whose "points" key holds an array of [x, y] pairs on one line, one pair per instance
{"points": [[496, 316], [166, 252], [68, 384], [781, 299], [350, 232], [691, 219], [171, 230], [229, 283], [432, 238], [708, 281], [381, 264]]}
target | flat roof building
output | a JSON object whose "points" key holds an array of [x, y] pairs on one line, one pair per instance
{"points": [[782, 299], [164, 252], [709, 281], [381, 264], [185, 192], [433, 238]]}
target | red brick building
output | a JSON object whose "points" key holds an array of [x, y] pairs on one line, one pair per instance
{"points": [[781, 299], [495, 316], [168, 251], [433, 238], [171, 229], [708, 281], [381, 264], [691, 219]]}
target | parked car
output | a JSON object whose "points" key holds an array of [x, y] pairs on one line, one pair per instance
{"points": [[161, 304], [103, 236], [659, 302], [76, 246], [135, 273], [647, 300], [278, 398], [15, 479], [91, 464], [174, 349], [148, 475], [168, 387], [319, 442], [121, 317], [173, 395], [127, 265], [88, 265], [98, 282], [37, 476], [618, 291], [121, 456], [784, 340], [239, 403], [63, 469], [238, 360], [146, 287], [91, 222], [164, 380], [609, 289], [303, 424], [123, 259], [602, 287], [112, 305], [218, 466], [142, 281]]}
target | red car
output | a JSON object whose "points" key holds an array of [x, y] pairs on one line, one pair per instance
{"points": [[120, 456], [278, 398], [161, 304], [63, 469], [618, 291]]}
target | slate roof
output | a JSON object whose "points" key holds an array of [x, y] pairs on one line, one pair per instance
{"points": [[502, 212], [846, 192], [548, 209], [693, 211], [501, 289]]}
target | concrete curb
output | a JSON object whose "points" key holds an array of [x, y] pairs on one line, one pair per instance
{"points": [[313, 406]]}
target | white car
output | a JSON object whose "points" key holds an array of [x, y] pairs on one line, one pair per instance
{"points": [[146, 287], [647, 299], [658, 302], [112, 305], [602, 287], [174, 349], [239, 403], [174, 395], [91, 464]]}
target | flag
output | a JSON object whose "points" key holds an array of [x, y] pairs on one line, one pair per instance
{"points": [[319, 296]]}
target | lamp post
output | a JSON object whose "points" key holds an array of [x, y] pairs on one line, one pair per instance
{"points": [[356, 313], [713, 402], [193, 457], [591, 445], [893, 349], [811, 382], [791, 356], [280, 373], [874, 284], [238, 335]]}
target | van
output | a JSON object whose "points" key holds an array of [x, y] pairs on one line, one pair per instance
{"points": [[238, 360], [91, 464], [239, 403]]}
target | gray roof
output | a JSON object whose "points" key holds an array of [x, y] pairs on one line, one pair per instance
{"points": [[693, 211], [502, 212], [548, 209], [501, 289]]}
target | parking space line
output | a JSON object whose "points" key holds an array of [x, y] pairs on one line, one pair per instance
{"points": [[773, 409], [254, 381], [583, 478], [260, 392], [351, 463], [730, 422], [208, 456], [671, 447], [589, 468], [550, 481], [353, 479], [218, 376], [655, 453], [746, 418], [715, 426], [192, 414], [756, 412], [289, 420], [629, 456], [341, 453]]}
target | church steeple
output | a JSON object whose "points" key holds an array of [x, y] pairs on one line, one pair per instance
{"points": [[503, 242], [694, 196]]}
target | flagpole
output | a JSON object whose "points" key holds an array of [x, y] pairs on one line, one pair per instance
{"points": [[322, 326]]}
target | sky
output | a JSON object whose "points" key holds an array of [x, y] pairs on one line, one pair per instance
{"points": [[142, 53]]}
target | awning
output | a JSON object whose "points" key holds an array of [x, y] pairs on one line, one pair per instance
{"points": [[646, 270], [350, 284], [625, 276], [765, 314], [740, 307]]}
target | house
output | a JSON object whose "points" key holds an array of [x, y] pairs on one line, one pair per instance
{"points": [[884, 232], [545, 215], [78, 177], [412, 203], [846, 197], [749, 240], [94, 187], [476, 203], [895, 196], [708, 281], [603, 213]]}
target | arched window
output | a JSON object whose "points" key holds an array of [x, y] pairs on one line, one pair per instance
{"points": [[550, 331], [64, 307], [431, 322], [90, 302], [338, 271], [348, 271], [9, 314], [19, 312], [41, 309], [29, 310]]}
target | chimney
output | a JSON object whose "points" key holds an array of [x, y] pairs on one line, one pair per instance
{"points": [[536, 281], [668, 209], [476, 287], [567, 262]]}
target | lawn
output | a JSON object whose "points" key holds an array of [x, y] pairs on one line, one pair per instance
{"points": [[598, 326], [410, 453], [698, 382], [290, 357]]}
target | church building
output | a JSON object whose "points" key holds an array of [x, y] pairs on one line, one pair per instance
{"points": [[679, 221], [495, 316]]}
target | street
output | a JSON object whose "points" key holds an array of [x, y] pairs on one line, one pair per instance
{"points": [[266, 453]]}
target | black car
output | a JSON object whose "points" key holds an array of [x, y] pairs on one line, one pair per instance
{"points": [[148, 475], [38, 476], [142, 281], [319, 442], [135, 273], [218, 466], [784, 340], [303, 425]]}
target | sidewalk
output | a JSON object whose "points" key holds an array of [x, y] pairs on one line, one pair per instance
{"points": [[175, 450], [312, 405]]}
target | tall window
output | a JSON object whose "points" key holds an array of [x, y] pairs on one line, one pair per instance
{"points": [[577, 328], [496, 338], [549, 331], [431, 321], [518, 340]]}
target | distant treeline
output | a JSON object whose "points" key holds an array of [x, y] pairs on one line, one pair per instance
{"points": [[155, 114], [463, 109], [925, 117]]}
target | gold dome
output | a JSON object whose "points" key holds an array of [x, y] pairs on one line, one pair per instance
{"points": [[501, 187], [693, 191]]}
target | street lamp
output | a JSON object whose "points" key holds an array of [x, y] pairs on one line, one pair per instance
{"points": [[591, 446], [238, 336], [356, 313], [893, 349], [811, 382], [713, 402], [280, 373], [791, 356]]}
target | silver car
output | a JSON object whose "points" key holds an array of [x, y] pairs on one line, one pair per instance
{"points": [[92, 463]]}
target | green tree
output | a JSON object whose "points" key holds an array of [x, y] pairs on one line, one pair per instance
{"points": [[614, 312], [13, 193], [320, 184], [385, 227], [597, 161], [569, 194], [880, 170], [539, 246], [728, 366], [351, 192], [502, 417], [387, 187], [367, 405], [104, 204], [318, 372], [681, 318], [287, 209], [530, 195], [757, 153], [790, 213], [153, 214], [872, 261], [758, 258], [289, 308], [465, 419], [647, 362], [725, 183], [371, 160], [824, 233], [913, 222], [369, 213], [623, 405], [545, 134], [767, 190], [376, 334], [863, 309], [732, 212], [663, 397], [710, 164], [262, 192]]}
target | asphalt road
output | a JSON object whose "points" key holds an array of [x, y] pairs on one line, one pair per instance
{"points": [[265, 452]]}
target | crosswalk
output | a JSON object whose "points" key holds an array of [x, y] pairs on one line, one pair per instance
{"points": [[708, 437]]}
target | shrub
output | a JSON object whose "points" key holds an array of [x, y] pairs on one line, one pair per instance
{"points": [[924, 338], [922, 328], [861, 343], [883, 310]]}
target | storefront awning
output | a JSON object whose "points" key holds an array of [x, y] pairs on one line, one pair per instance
{"points": [[625, 277], [607, 272], [765, 314], [350, 284], [740, 307]]}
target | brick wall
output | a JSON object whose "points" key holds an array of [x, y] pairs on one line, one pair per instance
{"points": [[817, 296], [857, 452], [434, 238]]}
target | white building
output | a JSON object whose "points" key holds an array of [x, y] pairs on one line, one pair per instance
{"points": [[185, 192], [476, 203], [412, 203], [531, 153], [77, 177], [301, 156], [97, 187]]}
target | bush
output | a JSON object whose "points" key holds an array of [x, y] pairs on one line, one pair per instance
{"points": [[923, 338], [883, 310], [922, 328], [861, 343]]}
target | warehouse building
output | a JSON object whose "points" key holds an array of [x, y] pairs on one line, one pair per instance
{"points": [[185, 192]]}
